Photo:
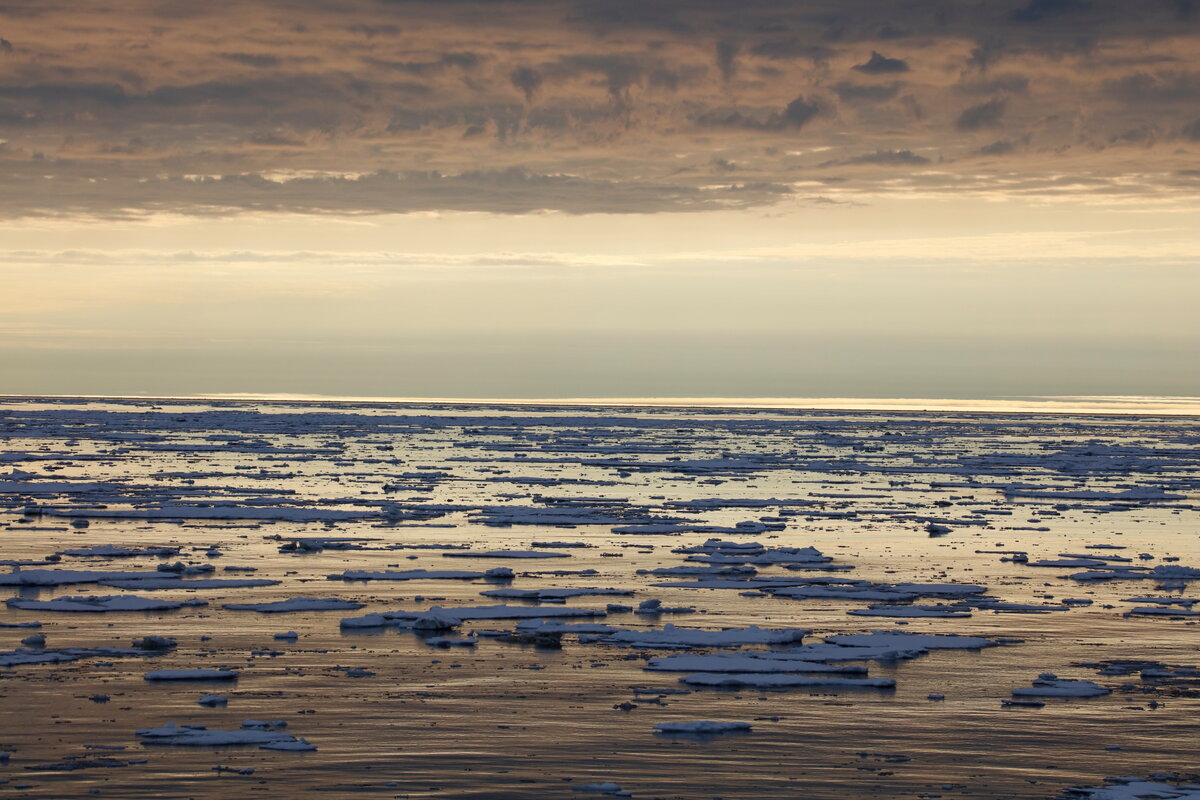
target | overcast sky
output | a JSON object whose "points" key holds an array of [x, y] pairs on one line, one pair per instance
{"points": [[534, 198]]}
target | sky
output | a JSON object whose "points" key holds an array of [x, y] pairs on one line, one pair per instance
{"points": [[600, 198]]}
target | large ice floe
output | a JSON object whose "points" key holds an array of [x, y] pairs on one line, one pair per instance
{"points": [[103, 603], [265, 735]]}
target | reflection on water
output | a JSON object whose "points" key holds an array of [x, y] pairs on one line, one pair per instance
{"points": [[505, 719]]}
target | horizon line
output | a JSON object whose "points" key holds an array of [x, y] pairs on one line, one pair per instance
{"points": [[1102, 405]]}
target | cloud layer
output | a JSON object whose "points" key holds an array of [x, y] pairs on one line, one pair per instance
{"points": [[372, 106]]}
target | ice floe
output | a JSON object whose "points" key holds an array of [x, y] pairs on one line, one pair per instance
{"points": [[296, 604], [265, 737], [96, 604], [1050, 685]]}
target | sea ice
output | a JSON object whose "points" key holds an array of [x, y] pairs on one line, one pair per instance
{"points": [[1050, 685], [100, 604], [701, 727], [296, 604]]}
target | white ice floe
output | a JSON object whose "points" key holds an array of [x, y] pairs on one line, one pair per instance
{"points": [[1162, 572], [1050, 685], [22, 656], [550, 595], [95, 604], [505, 554], [743, 570], [1139, 494], [765, 661], [671, 636], [775, 555], [655, 608], [452, 641], [876, 592], [944, 612], [159, 584], [1186, 602], [62, 577], [1161, 611], [1023, 608], [419, 574], [297, 604], [200, 736], [112, 551], [233, 511], [902, 640], [783, 681], [464, 613], [534, 626], [1130, 788]]}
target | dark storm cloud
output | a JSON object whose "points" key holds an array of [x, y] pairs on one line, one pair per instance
{"points": [[645, 104]]}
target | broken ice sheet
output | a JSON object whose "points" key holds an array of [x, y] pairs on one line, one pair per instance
{"points": [[757, 520]]}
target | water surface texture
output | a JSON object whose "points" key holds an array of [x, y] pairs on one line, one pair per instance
{"points": [[806, 524]]}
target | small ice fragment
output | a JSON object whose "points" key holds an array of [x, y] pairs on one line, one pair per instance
{"points": [[191, 675], [701, 727]]}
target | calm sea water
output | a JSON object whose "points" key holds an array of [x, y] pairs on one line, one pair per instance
{"points": [[504, 719]]}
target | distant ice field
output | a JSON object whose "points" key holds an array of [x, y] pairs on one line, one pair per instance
{"points": [[295, 597]]}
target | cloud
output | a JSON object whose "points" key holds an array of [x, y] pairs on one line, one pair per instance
{"points": [[984, 115], [653, 97], [799, 112], [780, 49], [527, 80], [252, 59], [1000, 147], [883, 157], [879, 64], [852, 92], [1010, 83], [1159, 88], [1038, 10], [727, 51], [795, 115], [508, 191], [426, 68]]}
